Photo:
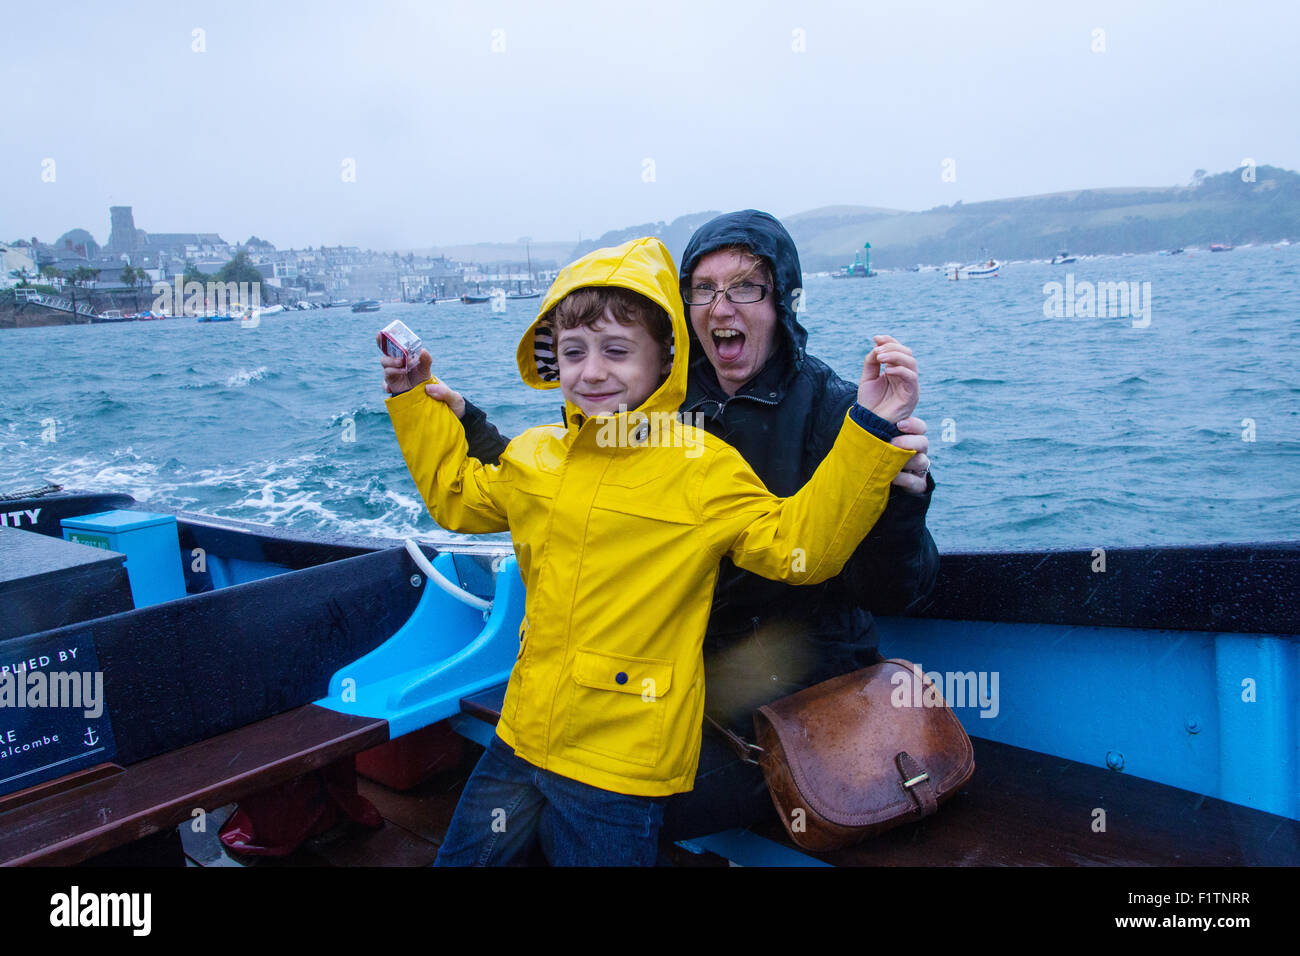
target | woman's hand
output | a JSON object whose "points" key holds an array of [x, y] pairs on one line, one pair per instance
{"points": [[451, 399], [889, 386], [912, 478]]}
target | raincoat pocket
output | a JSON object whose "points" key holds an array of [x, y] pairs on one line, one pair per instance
{"points": [[643, 507], [617, 706]]}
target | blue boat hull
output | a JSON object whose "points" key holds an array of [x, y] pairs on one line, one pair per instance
{"points": [[1177, 665]]}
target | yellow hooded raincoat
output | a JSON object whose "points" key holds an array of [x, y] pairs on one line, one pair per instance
{"points": [[619, 523]]}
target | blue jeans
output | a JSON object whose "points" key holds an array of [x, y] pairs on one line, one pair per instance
{"points": [[508, 803]]}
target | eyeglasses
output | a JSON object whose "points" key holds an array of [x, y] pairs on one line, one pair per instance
{"points": [[742, 293]]}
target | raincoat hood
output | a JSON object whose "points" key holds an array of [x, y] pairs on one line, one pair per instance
{"points": [[642, 265], [765, 235]]}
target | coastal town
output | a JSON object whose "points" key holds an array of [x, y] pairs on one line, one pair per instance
{"points": [[75, 279]]}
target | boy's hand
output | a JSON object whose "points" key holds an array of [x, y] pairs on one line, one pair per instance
{"points": [[891, 392], [912, 478], [399, 378]]}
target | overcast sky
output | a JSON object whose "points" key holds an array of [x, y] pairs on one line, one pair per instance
{"points": [[591, 116]]}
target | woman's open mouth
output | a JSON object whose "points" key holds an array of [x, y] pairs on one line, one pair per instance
{"points": [[728, 343]]}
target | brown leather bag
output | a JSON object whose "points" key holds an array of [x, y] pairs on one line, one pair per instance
{"points": [[843, 761]]}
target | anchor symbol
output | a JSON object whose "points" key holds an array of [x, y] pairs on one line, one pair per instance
{"points": [[92, 738]]}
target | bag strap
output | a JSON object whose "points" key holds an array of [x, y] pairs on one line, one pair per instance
{"points": [[747, 752]]}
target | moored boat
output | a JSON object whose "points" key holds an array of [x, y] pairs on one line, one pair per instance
{"points": [[366, 305], [977, 270], [112, 315]]}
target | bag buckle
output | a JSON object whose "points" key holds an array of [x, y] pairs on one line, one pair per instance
{"points": [[914, 775], [919, 778]]}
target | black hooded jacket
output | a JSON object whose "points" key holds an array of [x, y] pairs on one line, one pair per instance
{"points": [[767, 639]]}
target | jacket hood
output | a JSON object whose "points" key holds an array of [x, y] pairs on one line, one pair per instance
{"points": [[642, 265], [763, 233]]}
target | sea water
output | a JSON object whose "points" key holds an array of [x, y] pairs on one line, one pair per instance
{"points": [[1096, 430]]}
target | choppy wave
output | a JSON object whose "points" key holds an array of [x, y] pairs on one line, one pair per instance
{"points": [[241, 378], [1067, 434]]}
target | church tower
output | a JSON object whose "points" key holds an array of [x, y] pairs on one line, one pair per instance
{"points": [[122, 238]]}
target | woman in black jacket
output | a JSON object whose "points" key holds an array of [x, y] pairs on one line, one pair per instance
{"points": [[781, 408]]}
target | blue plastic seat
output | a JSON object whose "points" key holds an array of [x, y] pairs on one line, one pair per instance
{"points": [[445, 651]]}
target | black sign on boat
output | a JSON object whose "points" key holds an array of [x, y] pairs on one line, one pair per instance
{"points": [[53, 716]]}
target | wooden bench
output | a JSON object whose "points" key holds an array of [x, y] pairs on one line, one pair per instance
{"points": [[1022, 808], [56, 824]]}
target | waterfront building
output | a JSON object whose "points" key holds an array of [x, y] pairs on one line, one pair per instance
{"points": [[16, 258]]}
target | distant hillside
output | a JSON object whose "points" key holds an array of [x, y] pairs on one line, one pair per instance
{"points": [[674, 235], [839, 213], [1219, 208], [557, 253]]}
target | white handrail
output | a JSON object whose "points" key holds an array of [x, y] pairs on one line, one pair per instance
{"points": [[434, 575]]}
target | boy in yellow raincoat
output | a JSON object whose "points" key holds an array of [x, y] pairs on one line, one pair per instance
{"points": [[620, 515]]}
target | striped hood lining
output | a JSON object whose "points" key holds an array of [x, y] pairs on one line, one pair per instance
{"points": [[548, 366]]}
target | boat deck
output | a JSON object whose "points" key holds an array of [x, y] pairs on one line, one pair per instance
{"points": [[415, 823], [1020, 808]]}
